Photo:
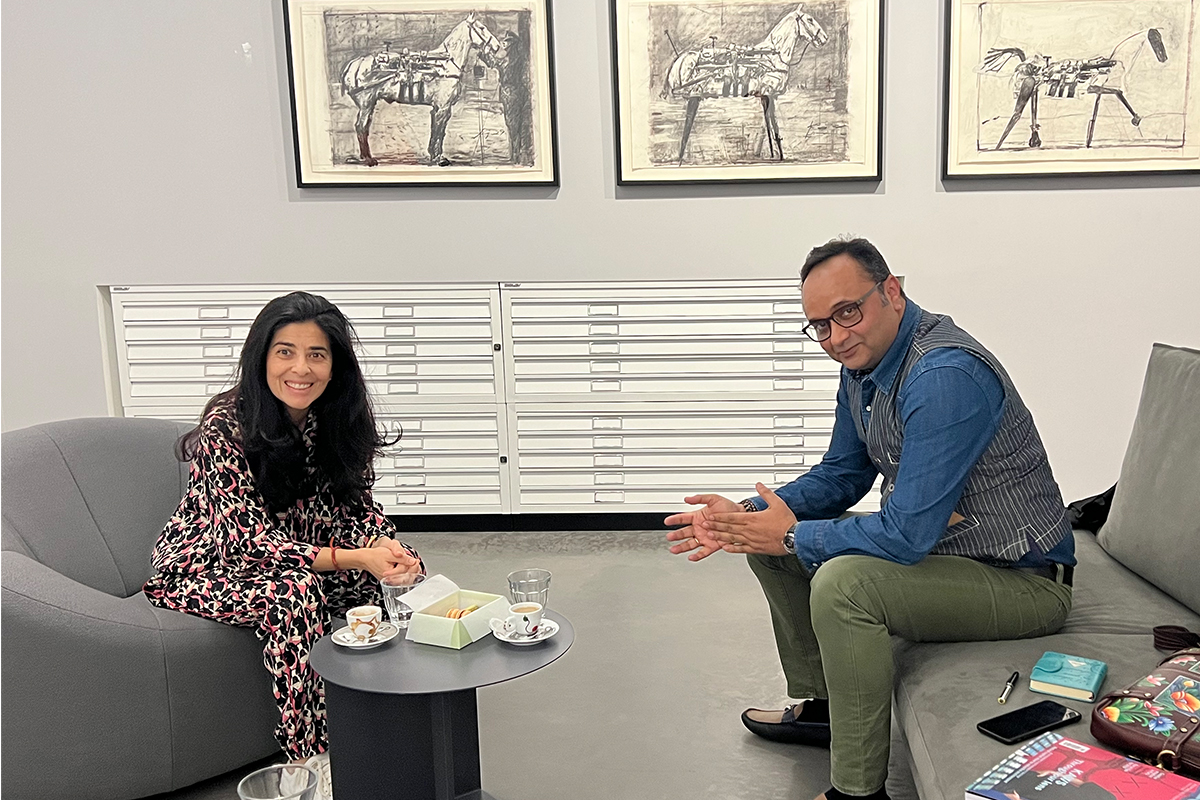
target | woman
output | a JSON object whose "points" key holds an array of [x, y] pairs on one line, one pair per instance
{"points": [[278, 527]]}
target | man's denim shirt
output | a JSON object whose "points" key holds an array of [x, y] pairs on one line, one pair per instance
{"points": [[951, 405]]}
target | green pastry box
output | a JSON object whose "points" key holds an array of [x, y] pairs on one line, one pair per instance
{"points": [[438, 594]]}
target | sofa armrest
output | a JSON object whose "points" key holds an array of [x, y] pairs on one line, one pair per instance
{"points": [[83, 671]]}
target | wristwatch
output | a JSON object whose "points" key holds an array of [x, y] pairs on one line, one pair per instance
{"points": [[789, 540]]}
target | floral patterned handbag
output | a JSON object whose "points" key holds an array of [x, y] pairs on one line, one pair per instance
{"points": [[1156, 718]]}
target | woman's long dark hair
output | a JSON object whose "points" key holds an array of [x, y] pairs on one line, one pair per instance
{"points": [[347, 439]]}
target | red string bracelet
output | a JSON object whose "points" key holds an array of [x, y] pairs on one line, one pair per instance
{"points": [[333, 556]]}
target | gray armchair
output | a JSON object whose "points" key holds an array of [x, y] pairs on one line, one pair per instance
{"points": [[104, 695]]}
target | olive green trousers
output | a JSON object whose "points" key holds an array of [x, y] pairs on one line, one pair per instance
{"points": [[833, 631]]}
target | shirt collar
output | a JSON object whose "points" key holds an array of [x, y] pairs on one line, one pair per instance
{"points": [[884, 374]]}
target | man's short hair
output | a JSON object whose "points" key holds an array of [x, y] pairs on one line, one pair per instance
{"points": [[862, 251]]}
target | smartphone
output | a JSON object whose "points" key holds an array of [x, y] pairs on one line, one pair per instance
{"points": [[1025, 723]]}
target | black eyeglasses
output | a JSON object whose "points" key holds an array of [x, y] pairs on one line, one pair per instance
{"points": [[847, 316]]}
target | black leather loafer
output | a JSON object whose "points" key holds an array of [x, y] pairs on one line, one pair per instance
{"points": [[782, 726]]}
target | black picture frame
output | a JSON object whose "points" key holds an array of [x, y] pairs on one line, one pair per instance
{"points": [[344, 56], [997, 41], [855, 131]]}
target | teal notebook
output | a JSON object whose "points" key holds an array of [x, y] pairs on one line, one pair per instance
{"points": [[1068, 676]]}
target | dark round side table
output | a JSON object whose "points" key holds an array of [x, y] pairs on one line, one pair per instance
{"points": [[403, 719]]}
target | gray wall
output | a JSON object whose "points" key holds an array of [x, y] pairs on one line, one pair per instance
{"points": [[141, 145]]}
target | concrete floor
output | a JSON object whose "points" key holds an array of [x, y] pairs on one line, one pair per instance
{"points": [[645, 705]]}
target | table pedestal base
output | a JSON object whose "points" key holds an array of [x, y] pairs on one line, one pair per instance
{"points": [[403, 747]]}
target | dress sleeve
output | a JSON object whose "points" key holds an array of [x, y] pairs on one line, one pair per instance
{"points": [[358, 526], [246, 534]]}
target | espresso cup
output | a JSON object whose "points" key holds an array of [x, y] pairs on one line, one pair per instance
{"points": [[524, 618], [364, 621]]}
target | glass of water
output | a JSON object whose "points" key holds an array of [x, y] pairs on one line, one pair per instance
{"points": [[279, 782], [529, 586], [394, 587]]}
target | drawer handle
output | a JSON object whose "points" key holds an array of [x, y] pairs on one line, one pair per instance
{"points": [[402, 369], [410, 499], [214, 388], [214, 312], [789, 422], [410, 480], [218, 351], [407, 425], [603, 330], [781, 365], [789, 459], [788, 384], [401, 350], [218, 369], [402, 388], [789, 441], [602, 423], [216, 333], [602, 478], [604, 348], [399, 330], [610, 497], [602, 311], [788, 308], [412, 444], [397, 311], [787, 347], [784, 477], [606, 386], [407, 462], [605, 366], [788, 326], [608, 441], [608, 461]]}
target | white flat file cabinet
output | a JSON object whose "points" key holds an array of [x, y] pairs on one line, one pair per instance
{"points": [[530, 397], [649, 341], [431, 355]]}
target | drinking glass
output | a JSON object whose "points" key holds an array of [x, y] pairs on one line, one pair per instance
{"points": [[394, 587], [529, 586], [279, 782]]}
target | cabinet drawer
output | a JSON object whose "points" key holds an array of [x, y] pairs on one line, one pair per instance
{"points": [[440, 502], [742, 345], [582, 329], [626, 385]]}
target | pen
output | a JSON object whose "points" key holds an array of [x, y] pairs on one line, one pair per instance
{"points": [[1008, 687]]}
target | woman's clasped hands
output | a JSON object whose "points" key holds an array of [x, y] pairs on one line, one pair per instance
{"points": [[386, 557]]}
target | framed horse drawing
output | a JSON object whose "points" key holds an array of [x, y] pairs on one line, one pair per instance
{"points": [[422, 92], [717, 91], [1054, 87]]}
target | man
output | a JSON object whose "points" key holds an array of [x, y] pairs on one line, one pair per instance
{"points": [[971, 541], [515, 100]]}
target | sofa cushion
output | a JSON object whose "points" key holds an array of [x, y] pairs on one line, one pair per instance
{"points": [[1109, 598], [1155, 516], [943, 690]]}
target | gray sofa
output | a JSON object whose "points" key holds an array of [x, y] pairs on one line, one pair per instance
{"points": [[106, 696], [1139, 572]]}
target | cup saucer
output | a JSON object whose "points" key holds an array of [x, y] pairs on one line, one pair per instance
{"points": [[385, 633], [547, 629]]}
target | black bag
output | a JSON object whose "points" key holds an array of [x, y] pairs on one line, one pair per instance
{"points": [[1091, 512]]}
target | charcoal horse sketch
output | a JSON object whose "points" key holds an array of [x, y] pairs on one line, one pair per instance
{"points": [[773, 78], [427, 78], [760, 70], [1071, 80]]}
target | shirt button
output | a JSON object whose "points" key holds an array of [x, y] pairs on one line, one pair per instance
{"points": [[868, 408]]}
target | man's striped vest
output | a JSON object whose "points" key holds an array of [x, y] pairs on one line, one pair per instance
{"points": [[1011, 501]]}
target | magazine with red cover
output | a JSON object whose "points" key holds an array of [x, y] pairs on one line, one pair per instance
{"points": [[1053, 767]]}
